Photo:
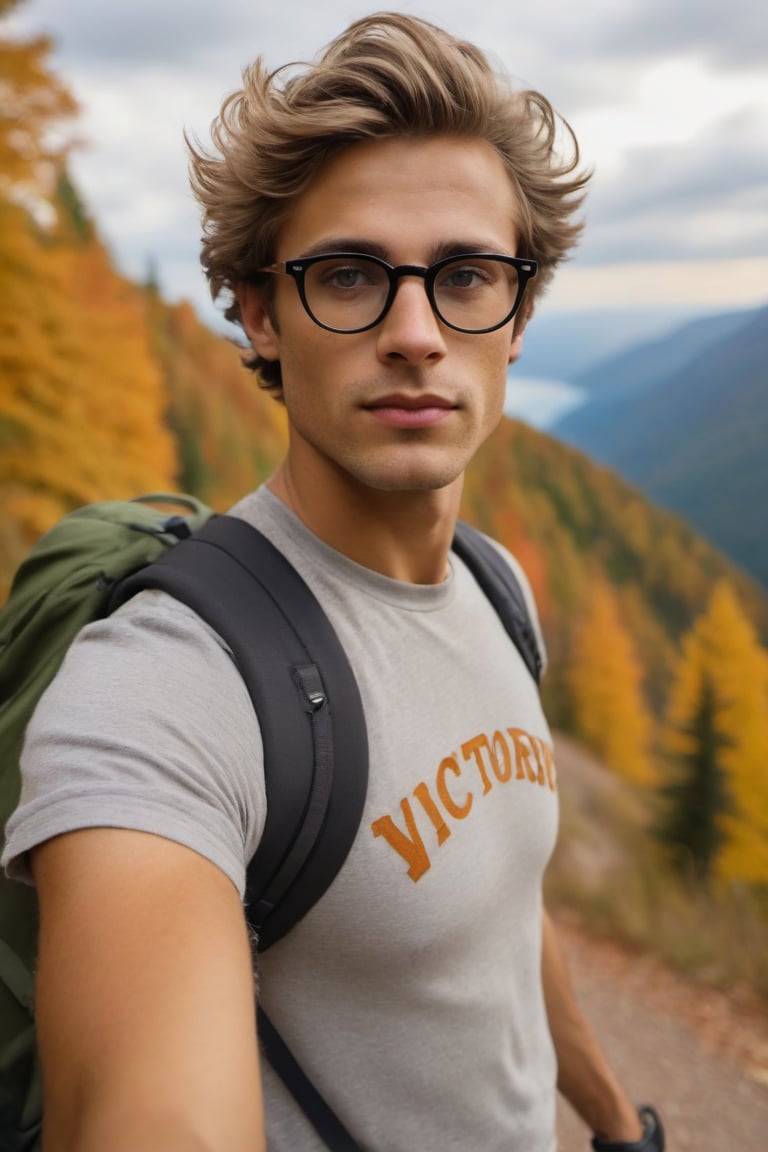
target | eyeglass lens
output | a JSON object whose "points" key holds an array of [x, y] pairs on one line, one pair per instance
{"points": [[470, 293]]}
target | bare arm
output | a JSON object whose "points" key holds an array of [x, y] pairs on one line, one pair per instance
{"points": [[584, 1076], [145, 1000]]}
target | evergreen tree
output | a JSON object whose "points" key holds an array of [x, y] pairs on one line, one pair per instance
{"points": [[722, 651], [74, 223], [695, 799]]}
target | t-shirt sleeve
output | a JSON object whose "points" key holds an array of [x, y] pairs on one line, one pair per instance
{"points": [[147, 726]]}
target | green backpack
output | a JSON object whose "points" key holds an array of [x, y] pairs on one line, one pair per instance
{"points": [[296, 672]]}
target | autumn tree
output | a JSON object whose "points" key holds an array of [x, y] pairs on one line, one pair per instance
{"points": [[723, 672], [82, 401], [605, 676]]}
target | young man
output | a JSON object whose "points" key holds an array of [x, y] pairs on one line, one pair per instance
{"points": [[377, 221]]}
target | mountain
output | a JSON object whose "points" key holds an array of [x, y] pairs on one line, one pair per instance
{"points": [[565, 346], [686, 419], [639, 368]]}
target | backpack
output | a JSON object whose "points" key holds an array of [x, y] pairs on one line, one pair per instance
{"points": [[299, 679]]}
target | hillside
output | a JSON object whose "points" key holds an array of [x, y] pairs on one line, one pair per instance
{"points": [[575, 524], [687, 421]]}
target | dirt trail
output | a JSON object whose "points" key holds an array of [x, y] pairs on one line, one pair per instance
{"points": [[699, 1056]]}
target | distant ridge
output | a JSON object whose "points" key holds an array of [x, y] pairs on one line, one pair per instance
{"points": [[686, 419], [642, 366], [568, 345]]}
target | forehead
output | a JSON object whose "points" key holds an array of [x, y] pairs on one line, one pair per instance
{"points": [[408, 195]]}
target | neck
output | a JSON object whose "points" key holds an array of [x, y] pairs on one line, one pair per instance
{"points": [[403, 535]]}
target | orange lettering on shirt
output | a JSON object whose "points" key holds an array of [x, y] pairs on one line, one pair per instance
{"points": [[500, 758], [538, 752], [474, 747], [522, 755], [410, 847], [458, 811], [422, 794], [548, 756]]}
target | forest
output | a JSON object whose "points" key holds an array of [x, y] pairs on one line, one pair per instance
{"points": [[656, 642]]}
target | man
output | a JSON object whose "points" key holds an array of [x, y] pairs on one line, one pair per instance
{"points": [[376, 220]]}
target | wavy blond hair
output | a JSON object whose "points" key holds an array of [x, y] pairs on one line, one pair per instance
{"points": [[388, 75]]}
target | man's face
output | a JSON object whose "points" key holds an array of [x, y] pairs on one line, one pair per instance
{"points": [[405, 405]]}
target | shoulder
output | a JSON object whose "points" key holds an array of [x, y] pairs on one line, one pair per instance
{"points": [[147, 725], [153, 643]]}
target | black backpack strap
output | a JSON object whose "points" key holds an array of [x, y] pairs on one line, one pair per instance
{"points": [[306, 698], [502, 588], [320, 1115], [313, 731]]}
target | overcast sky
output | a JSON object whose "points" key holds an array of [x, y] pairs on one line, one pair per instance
{"points": [[669, 99]]}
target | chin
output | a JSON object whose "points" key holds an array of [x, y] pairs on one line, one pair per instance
{"points": [[415, 480]]}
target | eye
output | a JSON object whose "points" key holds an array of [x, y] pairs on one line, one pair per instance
{"points": [[464, 276], [346, 276]]}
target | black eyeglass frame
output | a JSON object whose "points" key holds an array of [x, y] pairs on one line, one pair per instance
{"points": [[526, 270]]}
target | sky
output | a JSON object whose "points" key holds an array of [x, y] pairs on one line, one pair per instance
{"points": [[668, 98]]}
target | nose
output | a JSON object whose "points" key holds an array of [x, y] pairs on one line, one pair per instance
{"points": [[410, 331]]}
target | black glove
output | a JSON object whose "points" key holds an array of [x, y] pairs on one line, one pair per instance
{"points": [[652, 1139]]}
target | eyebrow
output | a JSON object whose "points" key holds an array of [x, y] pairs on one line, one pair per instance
{"points": [[363, 247]]}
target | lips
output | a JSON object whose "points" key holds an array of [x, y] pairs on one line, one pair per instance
{"points": [[403, 411], [410, 403]]}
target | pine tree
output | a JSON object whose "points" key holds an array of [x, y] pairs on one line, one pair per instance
{"points": [[695, 800], [722, 651]]}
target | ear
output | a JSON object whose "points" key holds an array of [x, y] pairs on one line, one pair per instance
{"points": [[516, 346], [258, 321]]}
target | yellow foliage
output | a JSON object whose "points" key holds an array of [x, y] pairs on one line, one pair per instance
{"points": [[723, 648], [605, 679]]}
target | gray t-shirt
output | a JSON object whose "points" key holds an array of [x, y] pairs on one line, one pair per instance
{"points": [[411, 992]]}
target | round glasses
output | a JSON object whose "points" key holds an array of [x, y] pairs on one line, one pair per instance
{"points": [[348, 292]]}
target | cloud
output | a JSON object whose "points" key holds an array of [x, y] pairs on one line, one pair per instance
{"points": [[728, 35], [667, 98], [699, 199], [169, 32]]}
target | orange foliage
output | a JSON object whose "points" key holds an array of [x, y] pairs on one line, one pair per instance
{"points": [[82, 403]]}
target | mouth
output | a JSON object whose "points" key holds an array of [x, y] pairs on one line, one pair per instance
{"points": [[404, 411]]}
